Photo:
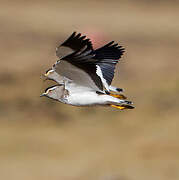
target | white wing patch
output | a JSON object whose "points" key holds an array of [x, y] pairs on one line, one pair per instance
{"points": [[99, 73]]}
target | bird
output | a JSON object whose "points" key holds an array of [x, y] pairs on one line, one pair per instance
{"points": [[84, 97], [81, 60], [84, 75]]}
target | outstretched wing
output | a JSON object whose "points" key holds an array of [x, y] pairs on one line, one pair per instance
{"points": [[85, 66], [98, 64], [80, 67], [75, 42], [108, 56]]}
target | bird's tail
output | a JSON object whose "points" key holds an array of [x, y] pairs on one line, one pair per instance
{"points": [[117, 101], [124, 105], [121, 107]]}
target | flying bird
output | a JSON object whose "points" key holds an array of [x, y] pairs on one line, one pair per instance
{"points": [[84, 75], [84, 98], [85, 65]]}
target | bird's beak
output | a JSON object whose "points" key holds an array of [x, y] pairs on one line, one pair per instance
{"points": [[43, 94], [44, 77], [46, 74]]}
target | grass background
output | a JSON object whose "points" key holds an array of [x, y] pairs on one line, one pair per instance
{"points": [[43, 139]]}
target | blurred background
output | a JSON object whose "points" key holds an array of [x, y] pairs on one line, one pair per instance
{"points": [[44, 139]]}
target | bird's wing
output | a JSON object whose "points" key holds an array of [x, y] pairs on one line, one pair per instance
{"points": [[76, 42], [81, 74], [94, 68], [108, 56], [98, 64]]}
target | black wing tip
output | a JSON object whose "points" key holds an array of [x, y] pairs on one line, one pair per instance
{"points": [[77, 41], [111, 50], [80, 36], [128, 106], [74, 33], [128, 102], [77, 35], [119, 89], [115, 46]]}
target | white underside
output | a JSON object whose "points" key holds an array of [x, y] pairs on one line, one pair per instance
{"points": [[81, 96]]}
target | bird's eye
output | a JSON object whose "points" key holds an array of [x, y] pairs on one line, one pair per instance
{"points": [[49, 91]]}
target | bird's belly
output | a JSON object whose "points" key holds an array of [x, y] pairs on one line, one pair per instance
{"points": [[84, 99]]}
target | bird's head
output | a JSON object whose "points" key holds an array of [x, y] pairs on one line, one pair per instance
{"points": [[54, 92], [51, 75]]}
